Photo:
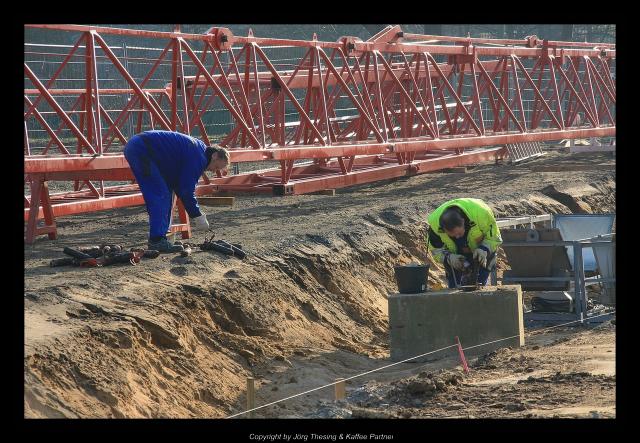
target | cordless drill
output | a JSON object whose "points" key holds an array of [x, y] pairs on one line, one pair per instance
{"points": [[470, 273]]}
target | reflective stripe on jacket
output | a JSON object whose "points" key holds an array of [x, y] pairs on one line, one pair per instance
{"points": [[483, 230]]}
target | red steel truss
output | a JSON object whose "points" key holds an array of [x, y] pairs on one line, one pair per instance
{"points": [[397, 104]]}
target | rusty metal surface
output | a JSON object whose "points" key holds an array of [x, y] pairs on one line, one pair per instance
{"points": [[535, 261], [582, 226], [334, 102]]}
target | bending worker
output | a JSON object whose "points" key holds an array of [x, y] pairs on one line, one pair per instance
{"points": [[164, 163], [464, 229]]}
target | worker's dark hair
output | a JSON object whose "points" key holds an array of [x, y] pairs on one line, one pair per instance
{"points": [[451, 218], [219, 152]]}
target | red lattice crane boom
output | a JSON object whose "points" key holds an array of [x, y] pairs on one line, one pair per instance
{"points": [[359, 111]]}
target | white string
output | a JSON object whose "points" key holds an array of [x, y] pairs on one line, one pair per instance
{"points": [[406, 360], [343, 380]]}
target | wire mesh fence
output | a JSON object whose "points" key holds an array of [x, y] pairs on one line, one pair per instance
{"points": [[44, 59]]}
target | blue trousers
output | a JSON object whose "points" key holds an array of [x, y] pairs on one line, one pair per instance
{"points": [[455, 280], [158, 197]]}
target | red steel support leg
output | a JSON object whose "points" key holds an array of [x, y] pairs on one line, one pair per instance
{"points": [[40, 194], [50, 223], [394, 121], [184, 221], [183, 226], [34, 207]]}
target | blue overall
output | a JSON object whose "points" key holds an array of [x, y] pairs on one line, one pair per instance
{"points": [[462, 247], [169, 162]]}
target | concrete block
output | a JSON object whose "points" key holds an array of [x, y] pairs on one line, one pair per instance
{"points": [[424, 322]]}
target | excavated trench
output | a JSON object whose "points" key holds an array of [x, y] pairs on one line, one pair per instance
{"points": [[185, 349]]}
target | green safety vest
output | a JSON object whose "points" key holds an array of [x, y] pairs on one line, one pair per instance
{"points": [[483, 227]]}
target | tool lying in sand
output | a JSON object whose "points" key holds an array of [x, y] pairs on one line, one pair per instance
{"points": [[223, 246], [66, 261], [93, 251], [110, 248], [469, 277], [121, 257], [96, 256], [186, 252], [146, 253], [84, 260]]}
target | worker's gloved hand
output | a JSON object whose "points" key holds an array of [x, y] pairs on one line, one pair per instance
{"points": [[456, 261], [480, 255], [200, 223]]}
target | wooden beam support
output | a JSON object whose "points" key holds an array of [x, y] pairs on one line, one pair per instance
{"points": [[216, 201], [331, 192]]}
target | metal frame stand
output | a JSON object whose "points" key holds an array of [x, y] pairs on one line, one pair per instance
{"points": [[580, 292]]}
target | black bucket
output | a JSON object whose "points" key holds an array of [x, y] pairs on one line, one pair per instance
{"points": [[412, 278]]}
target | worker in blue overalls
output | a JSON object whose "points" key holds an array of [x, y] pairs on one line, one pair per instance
{"points": [[164, 162]]}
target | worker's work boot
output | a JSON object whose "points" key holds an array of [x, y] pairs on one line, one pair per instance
{"points": [[163, 245]]}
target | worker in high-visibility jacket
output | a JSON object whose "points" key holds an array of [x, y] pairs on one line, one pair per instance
{"points": [[167, 162], [464, 229]]}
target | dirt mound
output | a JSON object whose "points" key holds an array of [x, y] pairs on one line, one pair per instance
{"points": [[496, 386], [177, 337], [192, 343], [423, 385], [505, 358]]}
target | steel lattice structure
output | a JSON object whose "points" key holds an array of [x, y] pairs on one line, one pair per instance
{"points": [[397, 104]]}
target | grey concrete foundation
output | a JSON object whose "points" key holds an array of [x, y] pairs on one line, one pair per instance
{"points": [[424, 322]]}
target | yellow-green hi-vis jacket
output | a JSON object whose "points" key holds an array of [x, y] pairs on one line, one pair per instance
{"points": [[483, 230]]}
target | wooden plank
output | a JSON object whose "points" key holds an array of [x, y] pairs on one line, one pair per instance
{"points": [[566, 168], [331, 192], [458, 170], [216, 201]]}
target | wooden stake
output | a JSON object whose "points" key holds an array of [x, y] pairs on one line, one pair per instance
{"points": [[465, 367], [340, 389], [251, 395]]}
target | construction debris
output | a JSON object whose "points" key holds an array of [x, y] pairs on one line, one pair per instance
{"points": [[222, 246], [107, 254], [186, 252], [103, 255], [315, 282]]}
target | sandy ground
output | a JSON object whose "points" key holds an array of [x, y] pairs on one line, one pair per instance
{"points": [[568, 373], [177, 337]]}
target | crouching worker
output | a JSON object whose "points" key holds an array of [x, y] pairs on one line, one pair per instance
{"points": [[464, 229], [163, 163]]}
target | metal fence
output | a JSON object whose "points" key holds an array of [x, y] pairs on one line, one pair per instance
{"points": [[138, 60]]}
